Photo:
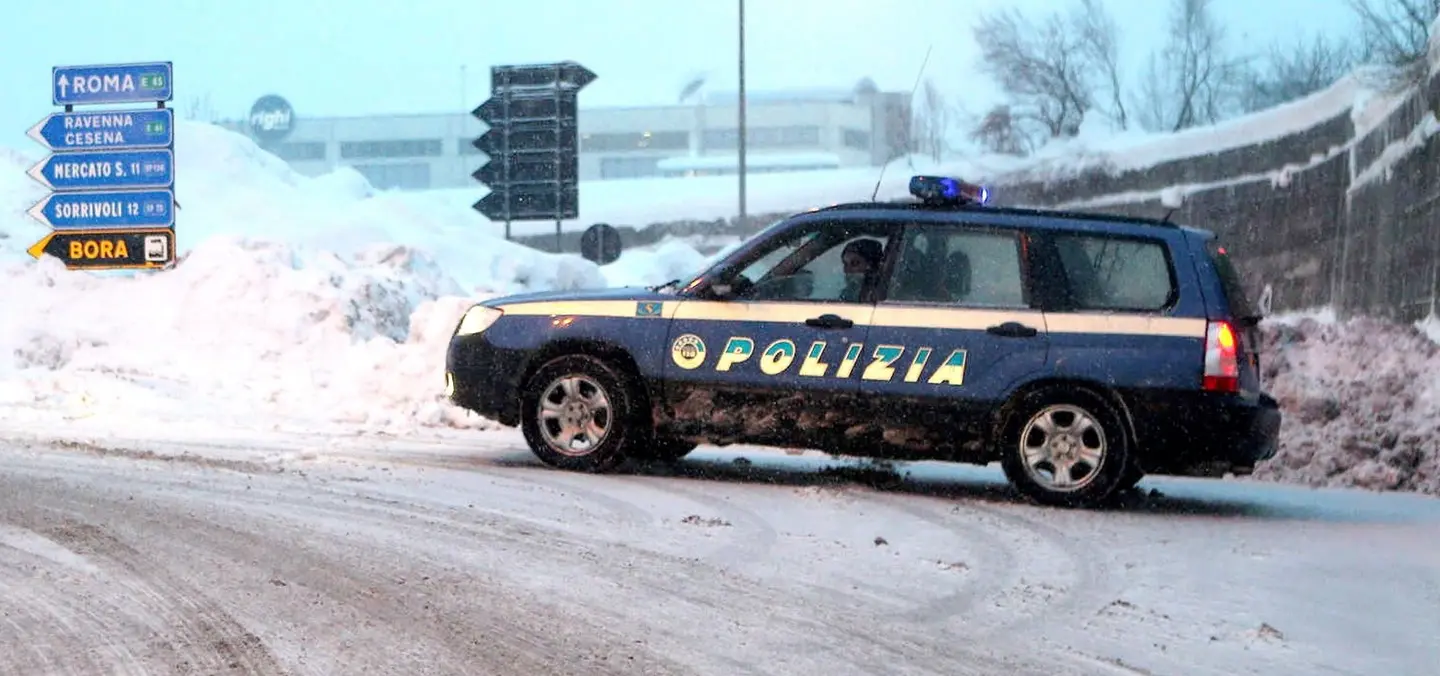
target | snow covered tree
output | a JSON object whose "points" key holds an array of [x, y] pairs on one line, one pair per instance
{"points": [[200, 109], [932, 122]]}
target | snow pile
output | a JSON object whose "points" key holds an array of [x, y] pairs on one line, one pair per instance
{"points": [[670, 259], [313, 299], [1361, 403]]}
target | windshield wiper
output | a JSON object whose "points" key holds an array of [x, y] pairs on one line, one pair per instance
{"points": [[658, 287]]}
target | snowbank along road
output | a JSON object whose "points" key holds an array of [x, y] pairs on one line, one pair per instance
{"points": [[448, 557]]}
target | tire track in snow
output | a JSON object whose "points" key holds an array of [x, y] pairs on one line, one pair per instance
{"points": [[535, 476], [1049, 571], [749, 538], [130, 595]]}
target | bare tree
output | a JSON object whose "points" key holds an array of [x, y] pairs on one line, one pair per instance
{"points": [[1056, 71], [1396, 33], [1192, 80], [1040, 68], [1099, 45], [1292, 71], [997, 133], [932, 121], [200, 109]]}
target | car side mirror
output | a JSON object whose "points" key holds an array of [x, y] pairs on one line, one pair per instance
{"points": [[722, 291]]}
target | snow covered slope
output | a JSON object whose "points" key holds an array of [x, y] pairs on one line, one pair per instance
{"points": [[313, 299]]}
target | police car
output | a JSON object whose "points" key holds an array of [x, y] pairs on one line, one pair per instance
{"points": [[1081, 351]]}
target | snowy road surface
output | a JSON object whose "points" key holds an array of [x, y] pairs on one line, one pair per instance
{"points": [[296, 555]]}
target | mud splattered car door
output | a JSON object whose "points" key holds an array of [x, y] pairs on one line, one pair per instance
{"points": [[767, 351], [952, 336]]}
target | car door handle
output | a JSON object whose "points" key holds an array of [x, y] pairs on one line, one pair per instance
{"points": [[829, 321], [1012, 330]]}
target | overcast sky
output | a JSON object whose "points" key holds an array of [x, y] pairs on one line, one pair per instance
{"points": [[348, 58]]}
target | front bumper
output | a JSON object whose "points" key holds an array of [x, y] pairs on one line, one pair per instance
{"points": [[484, 378]]}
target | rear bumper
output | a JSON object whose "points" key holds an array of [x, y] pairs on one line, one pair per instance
{"points": [[485, 379], [1202, 434]]}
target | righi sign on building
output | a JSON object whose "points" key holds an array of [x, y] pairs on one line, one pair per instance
{"points": [[109, 249], [271, 119]]}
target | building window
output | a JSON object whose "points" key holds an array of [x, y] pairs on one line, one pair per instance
{"points": [[784, 137], [659, 140], [410, 176], [467, 147], [628, 167], [299, 152], [765, 137], [397, 148], [854, 138]]}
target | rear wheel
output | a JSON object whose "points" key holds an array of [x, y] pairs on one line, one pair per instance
{"points": [[1066, 448], [579, 413]]}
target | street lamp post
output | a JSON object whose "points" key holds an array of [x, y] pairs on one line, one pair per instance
{"points": [[741, 123]]}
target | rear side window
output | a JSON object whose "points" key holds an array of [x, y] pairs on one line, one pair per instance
{"points": [[958, 266], [1117, 274], [1235, 295]]}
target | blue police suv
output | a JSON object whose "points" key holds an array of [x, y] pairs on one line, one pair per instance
{"points": [[1081, 351]]}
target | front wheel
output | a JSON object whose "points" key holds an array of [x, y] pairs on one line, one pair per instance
{"points": [[579, 413], [1066, 448]]}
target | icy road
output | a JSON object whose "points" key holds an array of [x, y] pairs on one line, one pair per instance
{"points": [[303, 556]]}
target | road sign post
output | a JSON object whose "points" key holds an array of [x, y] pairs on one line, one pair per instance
{"points": [[533, 144], [111, 173], [600, 244]]}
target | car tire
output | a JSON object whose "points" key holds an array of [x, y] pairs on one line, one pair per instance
{"points": [[580, 398], [1065, 448], [1132, 478]]}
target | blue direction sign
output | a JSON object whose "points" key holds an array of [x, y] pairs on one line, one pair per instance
{"points": [[107, 130], [106, 170], [111, 209], [117, 83]]}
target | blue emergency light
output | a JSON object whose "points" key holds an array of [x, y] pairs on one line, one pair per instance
{"points": [[946, 190]]}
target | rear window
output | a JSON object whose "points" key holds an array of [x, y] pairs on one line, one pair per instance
{"points": [[1238, 300], [1109, 273]]}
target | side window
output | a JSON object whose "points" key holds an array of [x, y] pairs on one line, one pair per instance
{"points": [[835, 262], [1115, 274], [959, 267]]}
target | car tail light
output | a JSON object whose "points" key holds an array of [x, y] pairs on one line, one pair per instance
{"points": [[1222, 358]]}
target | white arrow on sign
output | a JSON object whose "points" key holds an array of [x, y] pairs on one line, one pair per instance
{"points": [[64, 84], [37, 212], [37, 172], [34, 133]]}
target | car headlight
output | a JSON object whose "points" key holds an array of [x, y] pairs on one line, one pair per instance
{"points": [[478, 319]]}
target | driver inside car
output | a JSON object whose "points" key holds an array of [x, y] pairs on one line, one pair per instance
{"points": [[860, 261]]}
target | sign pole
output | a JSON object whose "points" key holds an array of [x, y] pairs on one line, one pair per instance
{"points": [[740, 124]]}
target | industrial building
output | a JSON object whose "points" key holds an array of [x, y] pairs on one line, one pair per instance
{"points": [[786, 131]]}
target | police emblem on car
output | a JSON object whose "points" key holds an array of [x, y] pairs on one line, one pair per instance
{"points": [[1080, 351]]}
